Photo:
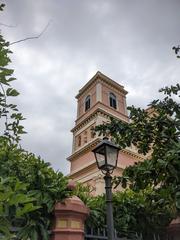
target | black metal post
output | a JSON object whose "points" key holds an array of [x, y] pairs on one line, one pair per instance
{"points": [[109, 210]]}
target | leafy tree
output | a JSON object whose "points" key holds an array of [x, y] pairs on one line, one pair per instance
{"points": [[176, 50], [156, 134], [29, 187], [44, 184], [9, 114], [135, 213], [15, 202]]}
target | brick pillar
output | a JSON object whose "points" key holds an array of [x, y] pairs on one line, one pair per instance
{"points": [[174, 229], [69, 220]]}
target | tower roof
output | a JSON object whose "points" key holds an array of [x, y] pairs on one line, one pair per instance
{"points": [[102, 77]]}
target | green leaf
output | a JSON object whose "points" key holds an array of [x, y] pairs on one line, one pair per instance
{"points": [[12, 92], [178, 200], [4, 81], [11, 79], [29, 207]]}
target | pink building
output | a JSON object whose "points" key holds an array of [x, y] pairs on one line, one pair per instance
{"points": [[100, 99]]}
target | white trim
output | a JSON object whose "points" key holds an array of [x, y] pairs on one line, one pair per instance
{"points": [[98, 92], [125, 106]]}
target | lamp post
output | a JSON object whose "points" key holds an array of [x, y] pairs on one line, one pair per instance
{"points": [[106, 154]]}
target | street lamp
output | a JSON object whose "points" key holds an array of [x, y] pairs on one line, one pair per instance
{"points": [[106, 154]]}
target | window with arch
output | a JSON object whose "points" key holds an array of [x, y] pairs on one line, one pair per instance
{"points": [[79, 141], [112, 100], [87, 103], [85, 137]]}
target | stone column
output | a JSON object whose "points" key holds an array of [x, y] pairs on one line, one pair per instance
{"points": [[69, 221], [174, 229]]}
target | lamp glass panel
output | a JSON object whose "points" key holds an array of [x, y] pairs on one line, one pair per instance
{"points": [[100, 156], [112, 154]]}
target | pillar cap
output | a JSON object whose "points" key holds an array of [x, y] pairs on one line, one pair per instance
{"points": [[71, 185], [174, 226], [71, 204], [175, 221]]}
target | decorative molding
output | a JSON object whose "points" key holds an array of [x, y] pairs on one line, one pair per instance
{"points": [[86, 170], [133, 154], [104, 78], [98, 92], [98, 113], [92, 144], [84, 149], [94, 114], [85, 127]]}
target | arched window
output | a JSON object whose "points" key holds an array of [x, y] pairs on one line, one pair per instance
{"points": [[85, 137], [79, 141], [112, 100], [87, 102], [92, 134]]}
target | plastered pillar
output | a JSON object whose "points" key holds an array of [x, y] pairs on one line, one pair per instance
{"points": [[174, 229], [69, 220]]}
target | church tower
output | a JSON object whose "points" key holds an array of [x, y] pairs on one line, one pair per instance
{"points": [[100, 99]]}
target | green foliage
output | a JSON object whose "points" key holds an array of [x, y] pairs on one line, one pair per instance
{"points": [[43, 183], [138, 213], [176, 50], [83, 192], [97, 217], [8, 111], [156, 134], [135, 213], [29, 187], [15, 202]]}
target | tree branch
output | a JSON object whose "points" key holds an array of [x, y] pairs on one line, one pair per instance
{"points": [[9, 26], [177, 50], [31, 38], [5, 101]]}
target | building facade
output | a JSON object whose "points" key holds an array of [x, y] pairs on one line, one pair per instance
{"points": [[100, 99]]}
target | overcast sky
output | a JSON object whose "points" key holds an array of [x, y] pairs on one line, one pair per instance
{"points": [[128, 40]]}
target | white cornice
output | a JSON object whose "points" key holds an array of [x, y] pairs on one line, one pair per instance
{"points": [[93, 143], [88, 169], [94, 114], [101, 76], [85, 148]]}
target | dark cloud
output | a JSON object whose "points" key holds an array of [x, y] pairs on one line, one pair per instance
{"points": [[131, 41]]}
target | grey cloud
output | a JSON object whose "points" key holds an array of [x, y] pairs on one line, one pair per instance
{"points": [[130, 41]]}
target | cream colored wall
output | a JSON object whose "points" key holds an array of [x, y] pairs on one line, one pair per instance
{"points": [[98, 92]]}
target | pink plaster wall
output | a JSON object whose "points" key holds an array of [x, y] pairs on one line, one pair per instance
{"points": [[82, 161], [125, 159], [71, 210], [106, 89], [119, 96], [106, 108], [79, 162], [81, 101], [85, 135]]}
